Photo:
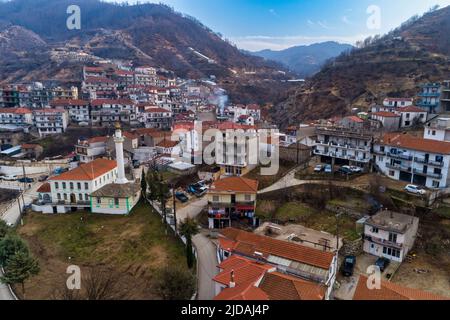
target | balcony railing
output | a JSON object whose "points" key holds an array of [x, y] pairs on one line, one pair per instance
{"points": [[429, 162], [428, 174], [400, 156], [398, 167], [383, 242]]}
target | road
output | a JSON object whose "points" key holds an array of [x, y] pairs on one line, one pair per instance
{"points": [[11, 216], [206, 252]]}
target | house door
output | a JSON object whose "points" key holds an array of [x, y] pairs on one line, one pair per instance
{"points": [[73, 198]]}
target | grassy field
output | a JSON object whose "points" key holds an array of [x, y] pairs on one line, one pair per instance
{"points": [[134, 246]]}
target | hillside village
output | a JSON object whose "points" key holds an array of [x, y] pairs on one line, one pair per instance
{"points": [[305, 243]]}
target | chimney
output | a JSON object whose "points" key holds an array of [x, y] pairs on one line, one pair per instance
{"points": [[118, 139], [232, 283]]}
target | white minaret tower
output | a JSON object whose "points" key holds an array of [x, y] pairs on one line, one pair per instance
{"points": [[118, 139]]}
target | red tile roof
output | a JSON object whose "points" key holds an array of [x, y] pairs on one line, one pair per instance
{"points": [[257, 281], [411, 109], [248, 243], [235, 184], [98, 139], [45, 188], [100, 102], [88, 171], [385, 114], [355, 119], [414, 143], [167, 143], [15, 110], [391, 291], [68, 102]]}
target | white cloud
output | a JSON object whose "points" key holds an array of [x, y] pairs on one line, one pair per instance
{"points": [[346, 20]]}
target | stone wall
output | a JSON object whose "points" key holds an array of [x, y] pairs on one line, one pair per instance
{"points": [[352, 248]]}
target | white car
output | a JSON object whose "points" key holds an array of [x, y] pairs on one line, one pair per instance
{"points": [[319, 168], [414, 189], [9, 178], [355, 169]]}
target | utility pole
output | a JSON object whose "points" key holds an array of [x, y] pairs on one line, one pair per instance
{"points": [[174, 210]]}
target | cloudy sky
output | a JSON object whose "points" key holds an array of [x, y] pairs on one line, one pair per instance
{"points": [[278, 24]]}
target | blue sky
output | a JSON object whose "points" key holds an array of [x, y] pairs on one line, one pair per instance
{"points": [[278, 24]]}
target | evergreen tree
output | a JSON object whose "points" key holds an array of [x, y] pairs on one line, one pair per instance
{"points": [[188, 229], [9, 246], [143, 185], [4, 229], [19, 268]]}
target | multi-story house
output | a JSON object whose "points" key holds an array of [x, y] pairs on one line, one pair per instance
{"points": [[390, 235], [50, 121], [344, 146], [124, 78], [9, 96], [16, 116], [93, 72], [290, 259], [445, 96], [106, 112], [60, 93], [438, 129], [393, 103], [414, 160], [155, 117], [233, 197], [386, 120], [79, 110], [91, 149], [430, 97], [411, 116], [98, 84]]}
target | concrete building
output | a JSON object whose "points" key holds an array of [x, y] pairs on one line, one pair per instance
{"points": [[430, 96], [50, 121], [411, 116], [343, 146], [79, 110], [388, 121], [229, 198], [107, 112], [394, 103], [156, 118], [390, 235], [91, 149], [438, 129], [414, 160], [16, 116]]}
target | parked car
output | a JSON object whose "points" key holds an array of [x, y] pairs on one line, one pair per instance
{"points": [[356, 169], [348, 266], [319, 168], [382, 263], [26, 180], [414, 189], [42, 178], [345, 170], [9, 178], [197, 189], [328, 169], [182, 197]]}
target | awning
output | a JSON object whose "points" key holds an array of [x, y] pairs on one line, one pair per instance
{"points": [[245, 208]]}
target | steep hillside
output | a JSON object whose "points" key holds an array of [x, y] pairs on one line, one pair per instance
{"points": [[392, 65], [147, 34], [305, 60]]}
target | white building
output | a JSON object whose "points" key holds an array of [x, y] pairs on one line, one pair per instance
{"points": [[91, 149], [50, 121], [398, 102], [155, 117], [109, 111], [16, 116], [438, 129], [388, 120], [343, 146], [390, 235], [411, 116], [78, 109], [414, 160]]}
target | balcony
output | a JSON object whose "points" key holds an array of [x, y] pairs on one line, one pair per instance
{"points": [[398, 167], [379, 153], [428, 174], [383, 242], [430, 94], [429, 162], [400, 156]]}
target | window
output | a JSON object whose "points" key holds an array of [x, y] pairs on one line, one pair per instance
{"points": [[436, 184], [59, 196], [391, 173], [393, 237], [248, 197], [65, 196], [116, 201], [80, 197], [86, 197], [79, 185], [86, 186], [64, 185], [71, 185], [56, 185], [99, 200], [216, 198], [374, 230], [434, 132]]}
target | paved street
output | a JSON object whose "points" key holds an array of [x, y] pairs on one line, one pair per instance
{"points": [[206, 251], [11, 216]]}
